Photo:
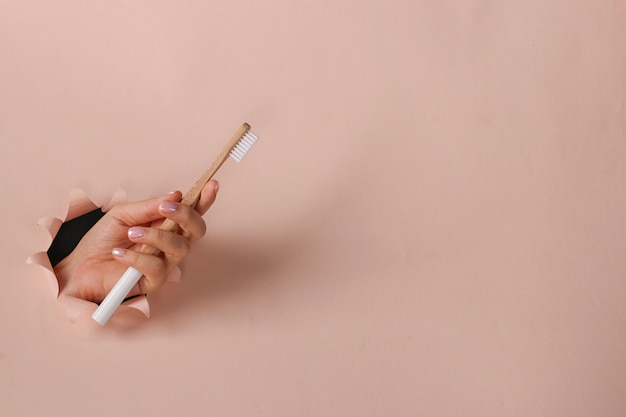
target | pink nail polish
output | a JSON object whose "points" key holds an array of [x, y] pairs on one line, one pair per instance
{"points": [[136, 232], [168, 206], [119, 252]]}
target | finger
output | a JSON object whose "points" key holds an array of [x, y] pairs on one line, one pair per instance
{"points": [[173, 246], [207, 196], [151, 266], [142, 212], [191, 223]]}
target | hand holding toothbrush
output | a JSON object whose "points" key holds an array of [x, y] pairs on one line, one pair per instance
{"points": [[112, 245], [146, 256]]}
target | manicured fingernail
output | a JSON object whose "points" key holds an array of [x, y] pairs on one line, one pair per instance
{"points": [[168, 206], [136, 232], [119, 252]]}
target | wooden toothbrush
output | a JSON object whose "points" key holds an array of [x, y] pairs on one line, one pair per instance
{"points": [[237, 147]]}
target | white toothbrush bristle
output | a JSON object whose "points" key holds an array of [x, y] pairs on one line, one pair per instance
{"points": [[242, 146]]}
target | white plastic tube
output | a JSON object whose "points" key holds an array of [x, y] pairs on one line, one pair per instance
{"points": [[114, 298]]}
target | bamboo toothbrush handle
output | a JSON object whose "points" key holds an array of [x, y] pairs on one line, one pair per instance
{"points": [[192, 196]]}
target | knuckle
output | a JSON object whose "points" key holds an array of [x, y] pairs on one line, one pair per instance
{"points": [[153, 266], [183, 246], [202, 229], [158, 268], [155, 278]]}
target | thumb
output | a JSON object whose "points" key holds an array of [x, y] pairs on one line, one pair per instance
{"points": [[142, 212]]}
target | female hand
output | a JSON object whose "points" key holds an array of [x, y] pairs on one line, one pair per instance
{"points": [[112, 245]]}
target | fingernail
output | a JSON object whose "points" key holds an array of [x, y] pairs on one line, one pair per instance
{"points": [[136, 232], [119, 252], [217, 187], [168, 206]]}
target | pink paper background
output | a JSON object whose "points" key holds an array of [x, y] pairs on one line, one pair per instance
{"points": [[433, 224]]}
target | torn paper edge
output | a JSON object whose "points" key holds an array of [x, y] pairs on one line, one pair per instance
{"points": [[78, 204]]}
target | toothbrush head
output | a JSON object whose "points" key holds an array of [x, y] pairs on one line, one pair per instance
{"points": [[243, 145]]}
